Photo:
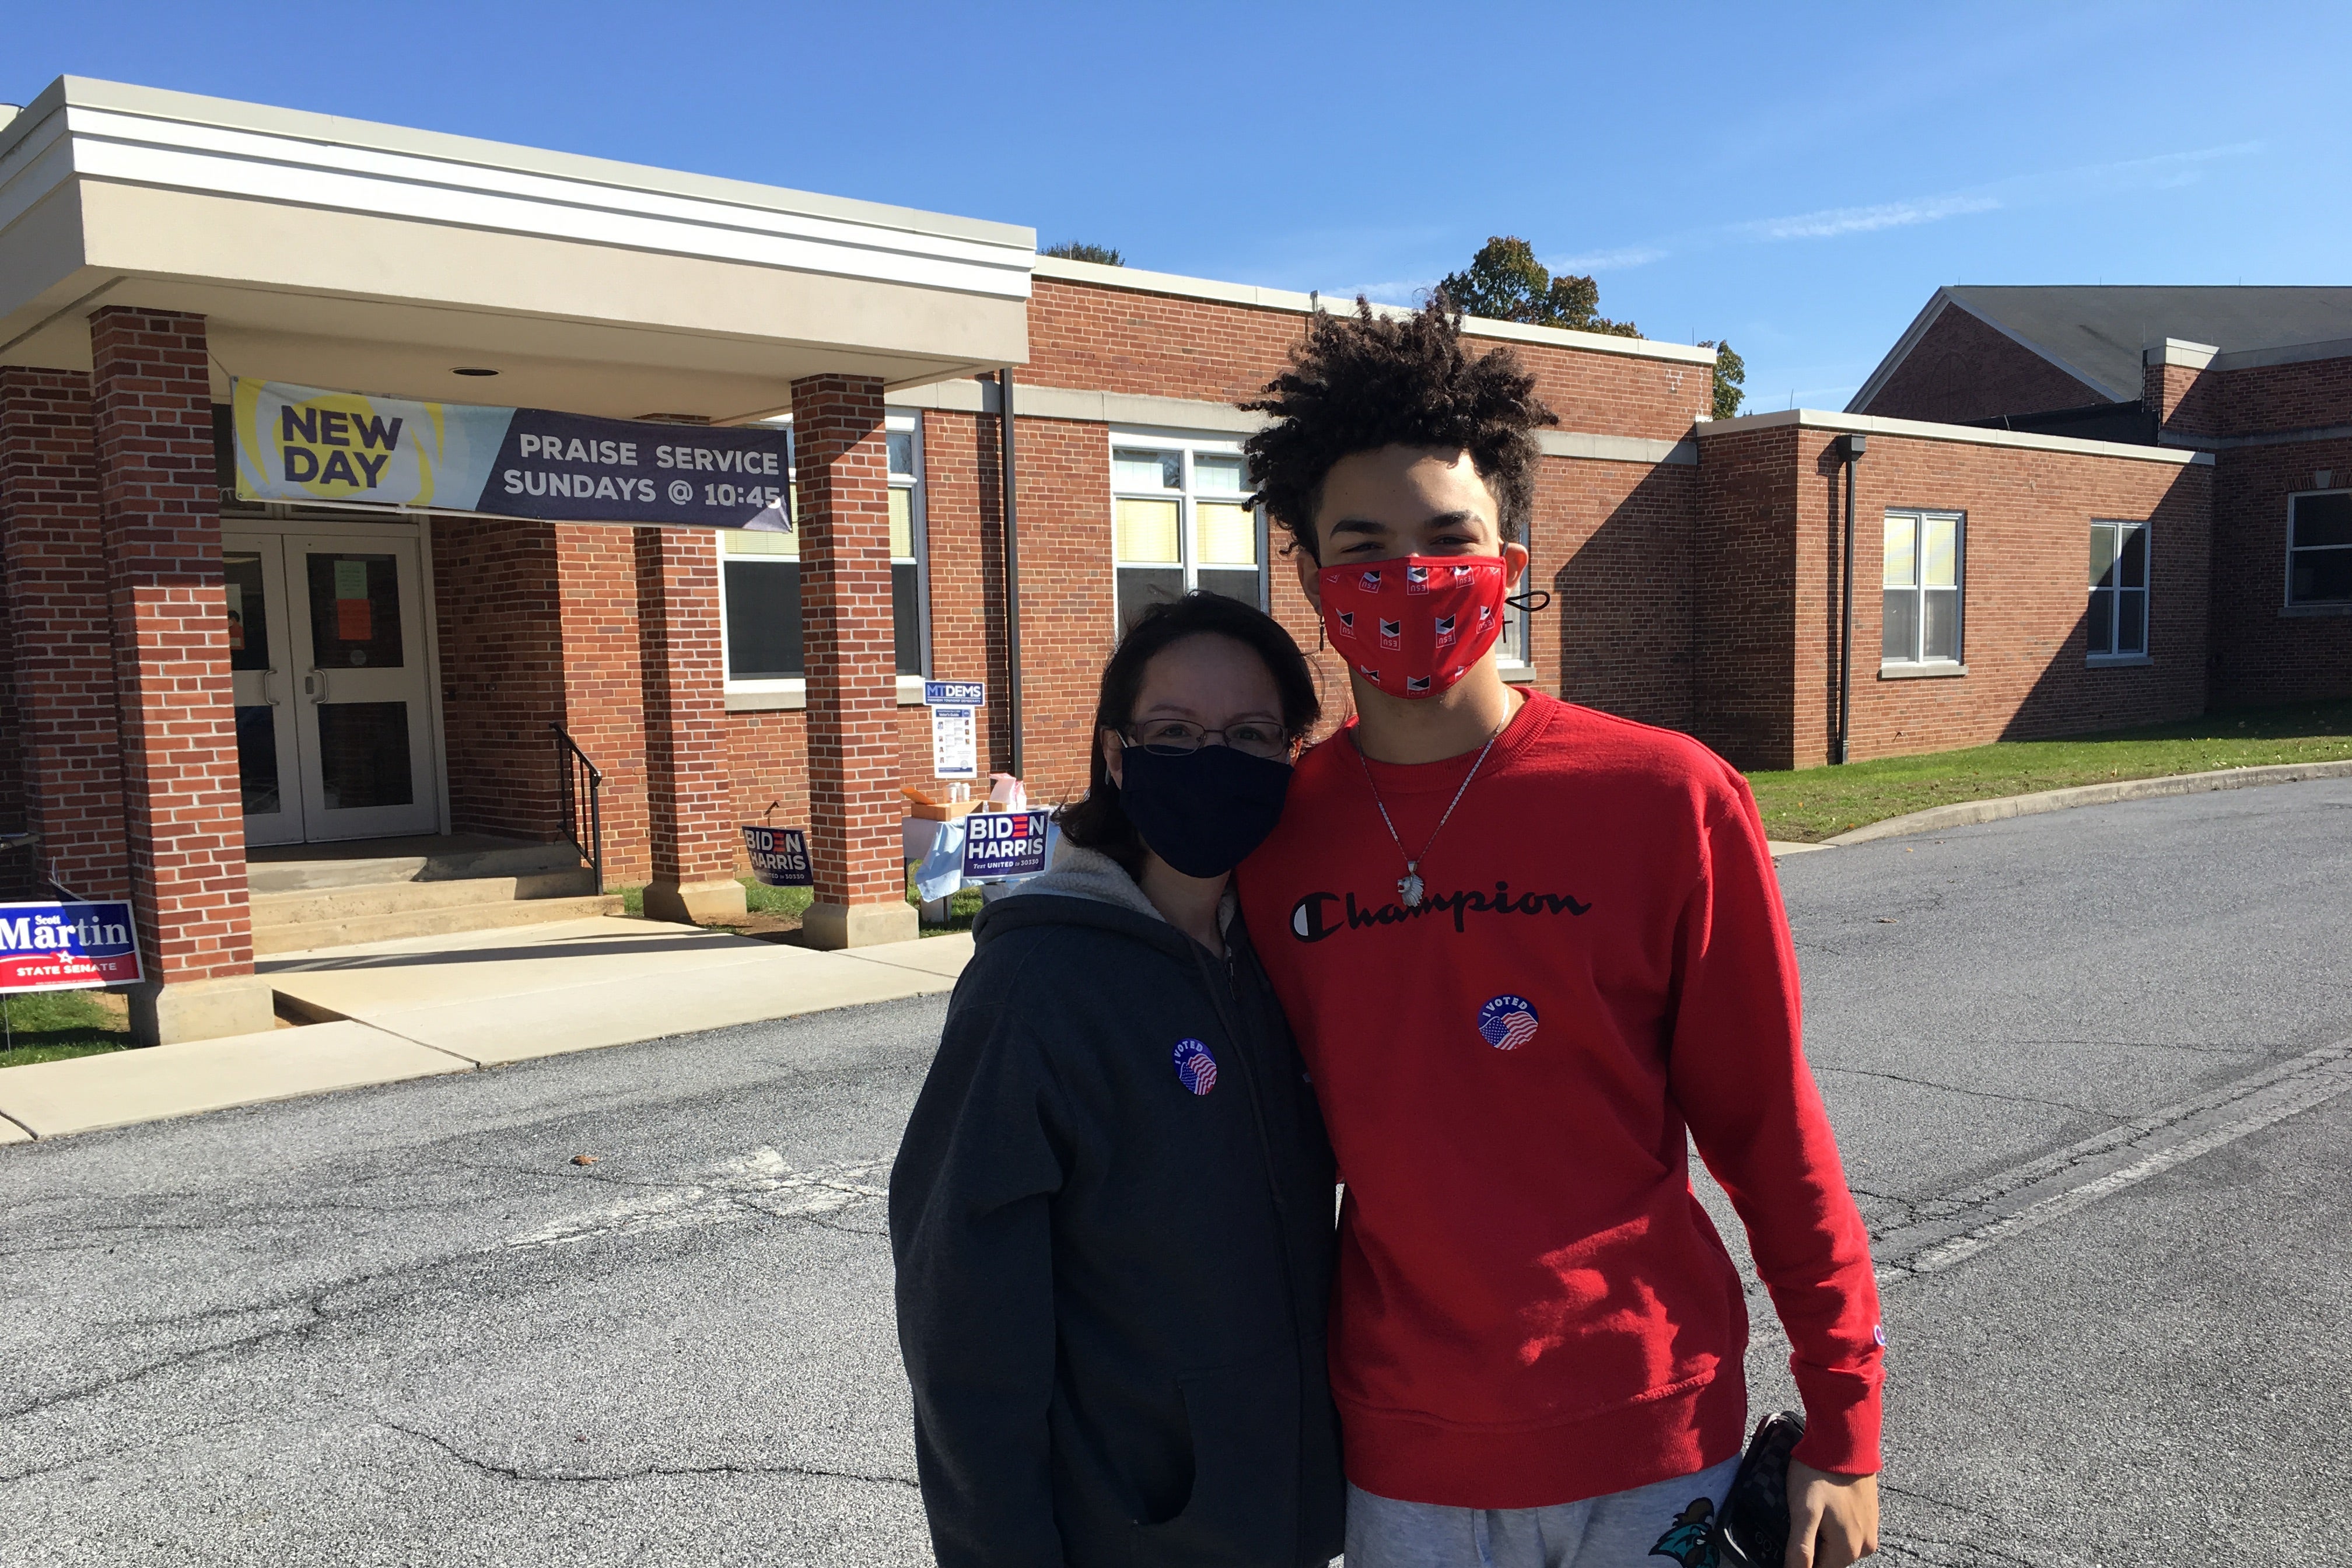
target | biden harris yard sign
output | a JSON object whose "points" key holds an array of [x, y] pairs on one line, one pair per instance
{"points": [[300, 444], [67, 947]]}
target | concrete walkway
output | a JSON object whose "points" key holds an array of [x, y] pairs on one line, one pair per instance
{"points": [[425, 1006]]}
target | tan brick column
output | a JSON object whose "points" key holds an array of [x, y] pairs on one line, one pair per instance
{"points": [[55, 570], [849, 648], [690, 801], [159, 510]]}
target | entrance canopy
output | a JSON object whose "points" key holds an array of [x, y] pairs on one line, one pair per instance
{"points": [[338, 253]]}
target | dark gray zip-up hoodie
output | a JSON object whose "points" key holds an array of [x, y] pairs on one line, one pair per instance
{"points": [[1112, 1274]]}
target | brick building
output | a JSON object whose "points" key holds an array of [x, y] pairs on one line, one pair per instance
{"points": [[178, 715], [2259, 379]]}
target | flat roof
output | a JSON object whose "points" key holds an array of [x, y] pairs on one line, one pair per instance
{"points": [[336, 129]]}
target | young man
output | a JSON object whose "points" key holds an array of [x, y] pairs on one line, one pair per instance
{"points": [[1526, 946]]}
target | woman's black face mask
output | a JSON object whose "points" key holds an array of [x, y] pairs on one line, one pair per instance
{"points": [[1204, 810]]}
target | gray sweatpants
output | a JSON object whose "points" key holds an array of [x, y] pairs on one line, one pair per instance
{"points": [[1667, 1520]]}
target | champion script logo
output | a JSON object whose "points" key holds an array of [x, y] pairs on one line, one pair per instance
{"points": [[1319, 915]]}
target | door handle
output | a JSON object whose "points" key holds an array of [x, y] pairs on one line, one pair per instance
{"points": [[265, 675], [314, 685]]}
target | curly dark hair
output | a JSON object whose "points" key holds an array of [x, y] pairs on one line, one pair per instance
{"points": [[1357, 384], [1098, 820]]}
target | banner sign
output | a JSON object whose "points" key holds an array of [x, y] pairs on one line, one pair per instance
{"points": [[300, 444], [67, 947], [1000, 844], [955, 693], [780, 857]]}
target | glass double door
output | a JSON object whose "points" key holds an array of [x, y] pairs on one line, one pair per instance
{"points": [[334, 734]]}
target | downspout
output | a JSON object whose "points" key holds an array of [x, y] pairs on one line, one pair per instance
{"points": [[1011, 563], [1852, 447]]}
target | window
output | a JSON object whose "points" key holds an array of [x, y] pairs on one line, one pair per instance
{"points": [[2319, 549], [2118, 618], [760, 580], [1181, 520], [1922, 581]]}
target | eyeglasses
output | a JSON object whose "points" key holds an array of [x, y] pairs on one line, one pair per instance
{"points": [[1181, 737]]}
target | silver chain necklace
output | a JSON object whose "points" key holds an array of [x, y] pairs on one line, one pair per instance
{"points": [[1410, 886]]}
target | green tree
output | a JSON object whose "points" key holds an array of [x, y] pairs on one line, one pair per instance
{"points": [[1730, 376], [1078, 251], [1505, 282]]}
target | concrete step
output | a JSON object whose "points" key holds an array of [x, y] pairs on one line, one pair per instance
{"points": [[430, 865], [283, 909], [441, 922]]}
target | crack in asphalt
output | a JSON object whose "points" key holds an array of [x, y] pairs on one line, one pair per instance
{"points": [[2035, 1556], [120, 1449], [1956, 1089], [578, 1477]]}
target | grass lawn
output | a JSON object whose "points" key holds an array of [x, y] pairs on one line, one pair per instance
{"points": [[54, 1025], [1813, 804], [775, 911]]}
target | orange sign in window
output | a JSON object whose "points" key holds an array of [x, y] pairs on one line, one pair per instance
{"points": [[352, 622]]}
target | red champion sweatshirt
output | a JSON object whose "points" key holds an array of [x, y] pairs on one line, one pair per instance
{"points": [[1531, 1306]]}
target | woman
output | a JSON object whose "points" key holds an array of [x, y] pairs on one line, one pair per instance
{"points": [[1112, 1212]]}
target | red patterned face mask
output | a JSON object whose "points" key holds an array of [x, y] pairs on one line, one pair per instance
{"points": [[1414, 625]]}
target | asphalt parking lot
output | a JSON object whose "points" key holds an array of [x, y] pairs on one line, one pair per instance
{"points": [[2081, 1067]]}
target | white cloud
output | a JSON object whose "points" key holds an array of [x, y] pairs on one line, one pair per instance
{"points": [[1616, 260], [1833, 221]]}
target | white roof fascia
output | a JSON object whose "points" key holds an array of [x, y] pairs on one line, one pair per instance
{"points": [[1138, 281], [2287, 353], [212, 146], [1134, 411], [1900, 351], [2180, 352], [1960, 435]]}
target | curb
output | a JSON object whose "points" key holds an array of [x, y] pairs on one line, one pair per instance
{"points": [[1969, 813]]}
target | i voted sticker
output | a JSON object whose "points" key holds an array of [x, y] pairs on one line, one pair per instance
{"points": [[1507, 1022], [1196, 1067]]}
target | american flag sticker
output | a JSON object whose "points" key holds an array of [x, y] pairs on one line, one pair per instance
{"points": [[1507, 1023], [1196, 1069]]}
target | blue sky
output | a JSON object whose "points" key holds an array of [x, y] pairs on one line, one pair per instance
{"points": [[1797, 179]]}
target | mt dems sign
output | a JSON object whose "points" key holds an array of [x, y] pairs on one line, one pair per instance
{"points": [[299, 444], [67, 947]]}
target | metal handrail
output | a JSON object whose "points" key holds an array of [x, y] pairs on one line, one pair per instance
{"points": [[577, 776]]}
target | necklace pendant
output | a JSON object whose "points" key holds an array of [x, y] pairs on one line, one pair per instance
{"points": [[1409, 887]]}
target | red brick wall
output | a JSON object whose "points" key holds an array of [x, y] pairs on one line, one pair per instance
{"points": [[496, 596], [2309, 394], [689, 795], [60, 764], [1744, 584], [2263, 655], [1102, 339], [158, 500], [1961, 369], [604, 704], [1068, 614], [849, 639], [1612, 542], [1773, 600], [2183, 399]]}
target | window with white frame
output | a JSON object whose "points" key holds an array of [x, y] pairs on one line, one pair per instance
{"points": [[1181, 520], [2118, 615], [1923, 561], [2319, 549], [761, 580]]}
